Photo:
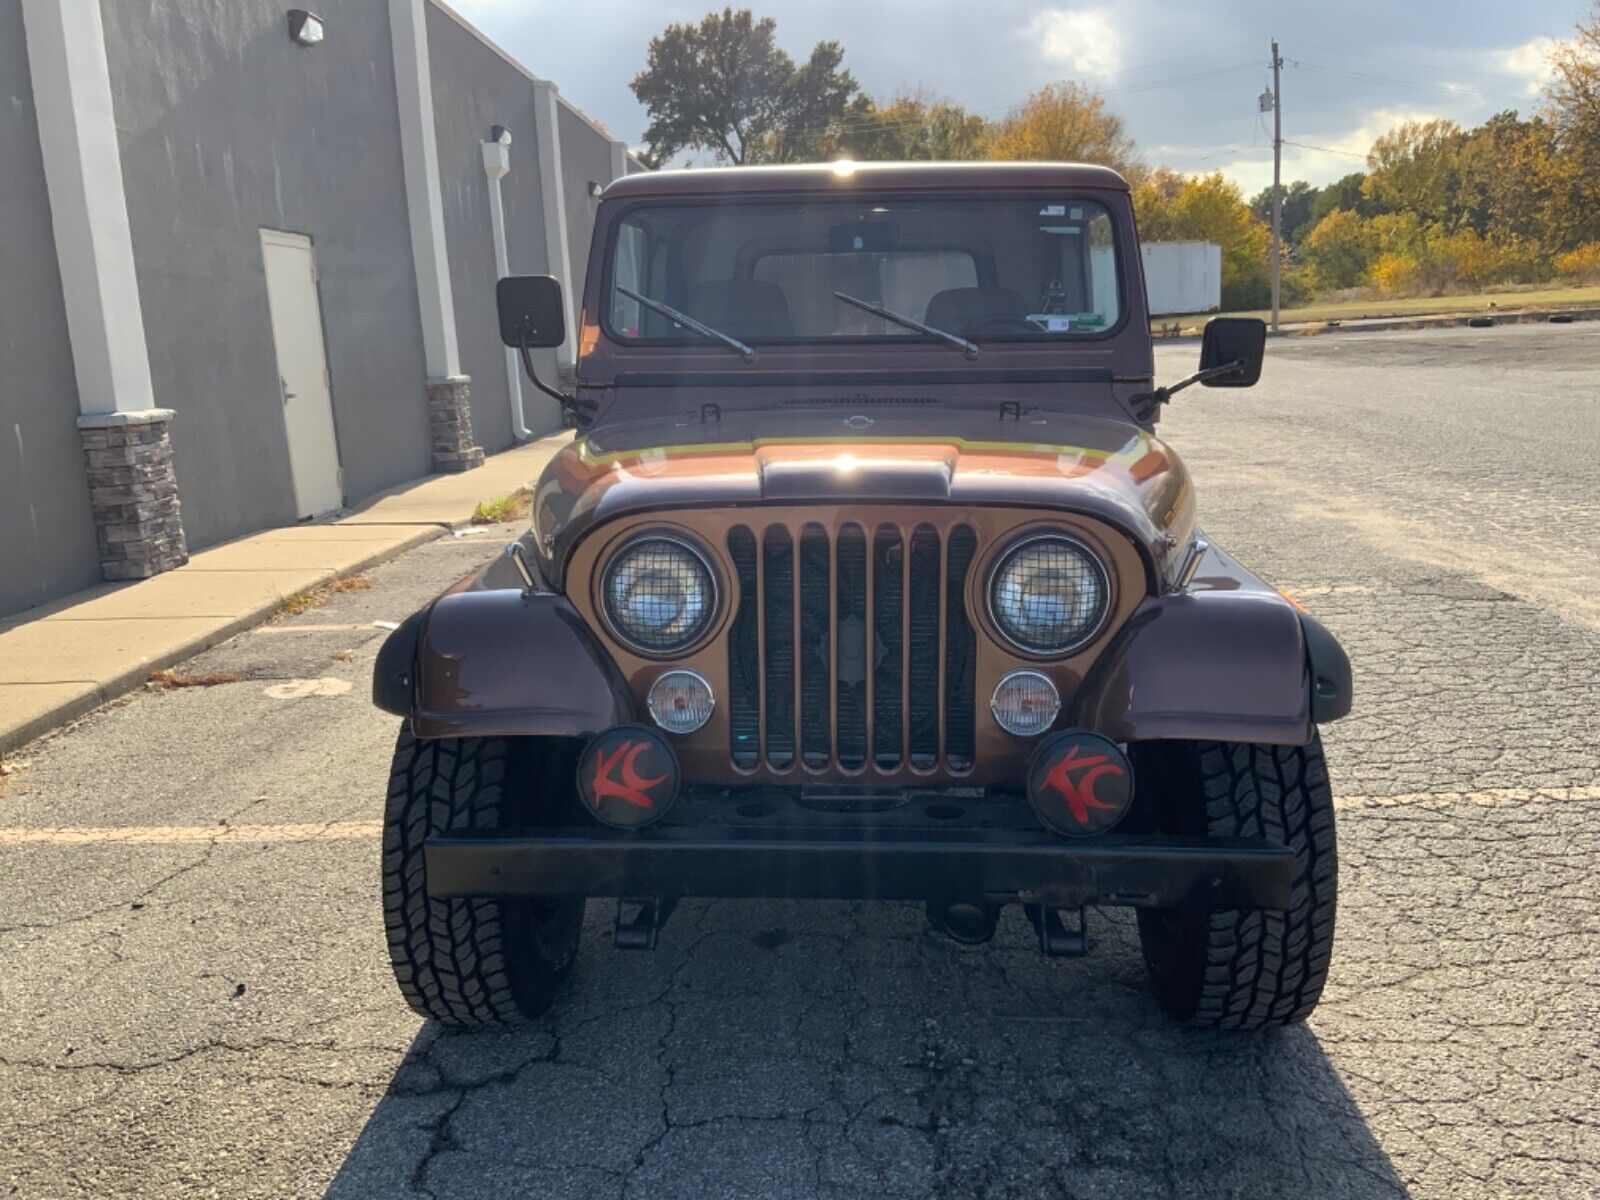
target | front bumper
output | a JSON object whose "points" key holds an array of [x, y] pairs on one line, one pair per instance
{"points": [[727, 846]]}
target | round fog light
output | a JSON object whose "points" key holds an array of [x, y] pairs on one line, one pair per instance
{"points": [[1025, 703], [680, 701]]}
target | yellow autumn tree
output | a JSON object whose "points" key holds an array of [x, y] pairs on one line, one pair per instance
{"points": [[1066, 122], [1209, 208]]}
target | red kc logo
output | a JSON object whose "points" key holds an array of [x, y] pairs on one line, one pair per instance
{"points": [[1073, 778], [616, 777]]}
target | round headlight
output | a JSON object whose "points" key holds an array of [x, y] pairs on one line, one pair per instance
{"points": [[1025, 703], [658, 594], [1049, 594], [680, 701]]}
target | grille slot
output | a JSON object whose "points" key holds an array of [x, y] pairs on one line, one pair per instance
{"points": [[777, 603], [852, 646], [960, 652], [744, 655], [816, 738], [888, 646], [922, 633]]}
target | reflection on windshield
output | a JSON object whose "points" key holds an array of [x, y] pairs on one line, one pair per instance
{"points": [[976, 269]]}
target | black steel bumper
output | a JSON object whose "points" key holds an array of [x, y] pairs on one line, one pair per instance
{"points": [[896, 859]]}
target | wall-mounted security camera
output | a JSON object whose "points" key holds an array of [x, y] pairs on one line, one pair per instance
{"points": [[305, 28]]}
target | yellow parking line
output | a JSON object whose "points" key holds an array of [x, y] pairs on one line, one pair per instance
{"points": [[173, 835], [1487, 797], [336, 831]]}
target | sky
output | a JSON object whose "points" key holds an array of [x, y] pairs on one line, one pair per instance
{"points": [[1185, 75]]}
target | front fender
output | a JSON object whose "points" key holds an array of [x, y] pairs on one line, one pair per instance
{"points": [[1223, 660], [501, 663]]}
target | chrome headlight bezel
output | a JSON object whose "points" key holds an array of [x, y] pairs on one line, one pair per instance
{"points": [[1091, 630], [701, 629]]}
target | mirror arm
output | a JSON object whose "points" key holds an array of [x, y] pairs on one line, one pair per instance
{"points": [[581, 412], [1145, 404]]}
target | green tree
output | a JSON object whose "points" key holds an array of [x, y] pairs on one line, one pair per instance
{"points": [[1298, 199], [1574, 99], [1341, 193], [913, 126], [1416, 168], [1339, 249], [724, 85]]}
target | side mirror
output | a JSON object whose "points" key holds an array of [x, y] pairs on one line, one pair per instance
{"points": [[531, 311], [1233, 339]]}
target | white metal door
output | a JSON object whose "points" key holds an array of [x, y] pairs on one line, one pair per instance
{"points": [[302, 371]]}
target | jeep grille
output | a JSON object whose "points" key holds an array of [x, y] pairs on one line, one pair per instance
{"points": [[849, 643]]}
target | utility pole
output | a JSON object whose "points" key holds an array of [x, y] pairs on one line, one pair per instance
{"points": [[1277, 180]]}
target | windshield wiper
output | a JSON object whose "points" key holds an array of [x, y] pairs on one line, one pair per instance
{"points": [[688, 322], [878, 310]]}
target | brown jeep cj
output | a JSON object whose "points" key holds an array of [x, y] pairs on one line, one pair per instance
{"points": [[865, 577]]}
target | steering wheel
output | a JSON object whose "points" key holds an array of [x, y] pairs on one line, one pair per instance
{"points": [[1001, 323]]}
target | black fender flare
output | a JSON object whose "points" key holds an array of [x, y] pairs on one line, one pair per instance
{"points": [[1332, 690], [500, 663]]}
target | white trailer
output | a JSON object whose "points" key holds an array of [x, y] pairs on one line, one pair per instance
{"points": [[1182, 277]]}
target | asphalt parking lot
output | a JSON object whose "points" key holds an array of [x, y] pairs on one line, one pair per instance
{"points": [[195, 997]]}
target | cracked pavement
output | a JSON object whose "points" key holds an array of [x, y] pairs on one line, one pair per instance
{"points": [[215, 1016]]}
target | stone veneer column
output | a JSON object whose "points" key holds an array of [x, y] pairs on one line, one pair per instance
{"points": [[133, 492], [450, 423], [127, 446], [449, 415]]}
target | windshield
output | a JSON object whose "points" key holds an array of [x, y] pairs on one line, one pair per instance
{"points": [[982, 269]]}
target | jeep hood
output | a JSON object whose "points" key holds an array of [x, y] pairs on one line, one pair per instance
{"points": [[1100, 467]]}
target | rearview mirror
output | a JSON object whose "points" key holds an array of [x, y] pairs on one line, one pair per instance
{"points": [[531, 312], [1233, 339]]}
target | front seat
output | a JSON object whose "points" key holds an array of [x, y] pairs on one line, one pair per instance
{"points": [[955, 310], [742, 308]]}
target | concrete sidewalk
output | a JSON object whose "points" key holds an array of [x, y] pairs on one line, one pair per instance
{"points": [[61, 659]]}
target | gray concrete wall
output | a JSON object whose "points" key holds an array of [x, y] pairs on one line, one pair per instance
{"points": [[47, 539], [474, 89], [227, 126], [585, 158]]}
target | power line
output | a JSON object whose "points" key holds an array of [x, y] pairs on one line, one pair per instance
{"points": [[1457, 92], [1401, 62], [1325, 149]]}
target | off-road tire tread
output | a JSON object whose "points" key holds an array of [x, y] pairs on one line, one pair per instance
{"points": [[1267, 968], [452, 956]]}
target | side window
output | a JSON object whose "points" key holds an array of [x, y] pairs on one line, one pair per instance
{"points": [[631, 268], [1102, 270]]}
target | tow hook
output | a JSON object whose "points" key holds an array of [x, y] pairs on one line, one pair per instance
{"points": [[1055, 939], [638, 931]]}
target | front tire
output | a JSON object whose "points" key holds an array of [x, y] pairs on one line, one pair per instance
{"points": [[1246, 968], [468, 961]]}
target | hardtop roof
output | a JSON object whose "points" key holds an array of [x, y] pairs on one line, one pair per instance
{"points": [[844, 177]]}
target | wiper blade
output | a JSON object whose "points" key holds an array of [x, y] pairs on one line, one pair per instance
{"points": [[688, 322], [878, 310]]}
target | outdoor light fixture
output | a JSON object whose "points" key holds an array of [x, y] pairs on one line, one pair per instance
{"points": [[500, 134], [595, 188], [305, 28]]}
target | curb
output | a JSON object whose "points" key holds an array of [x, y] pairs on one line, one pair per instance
{"points": [[1522, 316], [105, 691], [1450, 321]]}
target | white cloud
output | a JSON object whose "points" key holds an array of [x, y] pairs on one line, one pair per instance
{"points": [[1082, 40], [1530, 61]]}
